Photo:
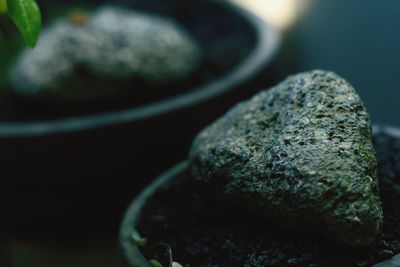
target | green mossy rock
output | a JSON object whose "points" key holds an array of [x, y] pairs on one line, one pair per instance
{"points": [[299, 154]]}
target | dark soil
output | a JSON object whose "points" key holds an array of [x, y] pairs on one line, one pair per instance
{"points": [[204, 232]]}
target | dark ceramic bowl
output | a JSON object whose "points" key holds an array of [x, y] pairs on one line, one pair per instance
{"points": [[118, 142], [76, 168], [133, 257]]}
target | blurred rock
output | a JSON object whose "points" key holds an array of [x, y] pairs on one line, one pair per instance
{"points": [[75, 56], [299, 154]]}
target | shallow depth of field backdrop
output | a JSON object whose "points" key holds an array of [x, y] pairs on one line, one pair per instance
{"points": [[358, 39]]}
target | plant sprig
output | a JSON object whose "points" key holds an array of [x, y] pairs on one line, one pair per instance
{"points": [[26, 16]]}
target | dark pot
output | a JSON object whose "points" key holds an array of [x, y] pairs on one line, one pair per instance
{"points": [[82, 161], [387, 142], [158, 133]]}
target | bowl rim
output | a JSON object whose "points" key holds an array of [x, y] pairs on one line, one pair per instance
{"points": [[266, 46], [131, 253]]}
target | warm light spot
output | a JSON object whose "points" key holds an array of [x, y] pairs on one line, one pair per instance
{"points": [[280, 13]]}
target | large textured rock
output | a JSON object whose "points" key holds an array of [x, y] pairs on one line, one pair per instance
{"points": [[112, 43], [299, 154]]}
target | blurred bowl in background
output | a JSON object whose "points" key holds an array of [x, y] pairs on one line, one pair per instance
{"points": [[51, 167]]}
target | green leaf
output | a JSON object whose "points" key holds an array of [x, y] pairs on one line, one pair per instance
{"points": [[138, 239], [26, 15], [155, 263]]}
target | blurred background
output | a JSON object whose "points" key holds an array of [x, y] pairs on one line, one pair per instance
{"points": [[357, 39]]}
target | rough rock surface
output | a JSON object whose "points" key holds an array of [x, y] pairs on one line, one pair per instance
{"points": [[299, 154], [112, 42]]}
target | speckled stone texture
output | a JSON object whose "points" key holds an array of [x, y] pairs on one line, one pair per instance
{"points": [[111, 43], [299, 154]]}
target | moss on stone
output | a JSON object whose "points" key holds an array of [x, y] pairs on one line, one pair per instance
{"points": [[299, 154]]}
